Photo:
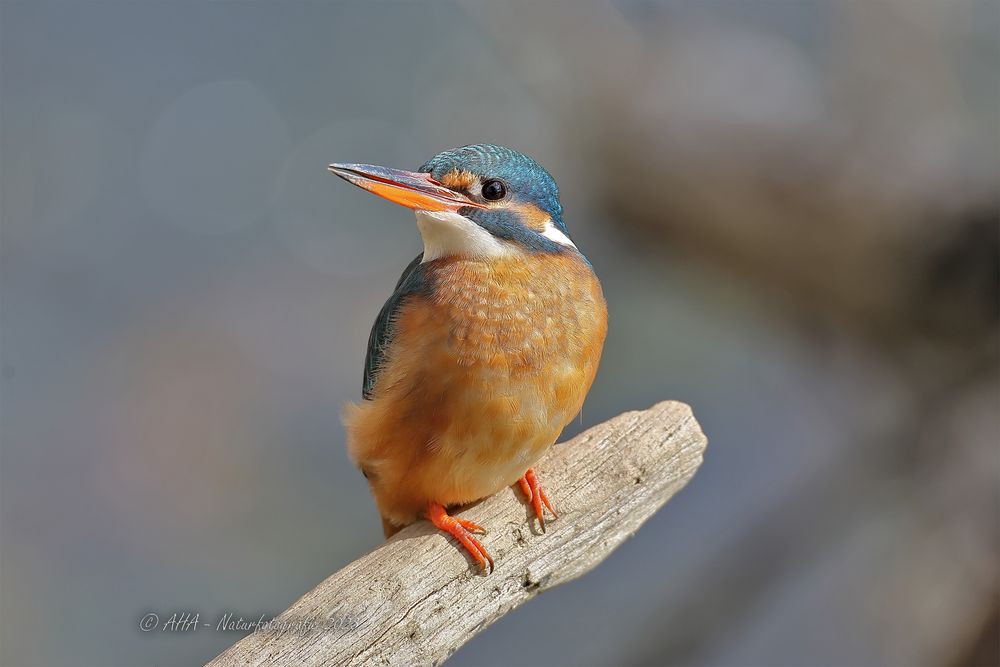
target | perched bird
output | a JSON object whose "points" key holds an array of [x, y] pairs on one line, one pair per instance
{"points": [[487, 347]]}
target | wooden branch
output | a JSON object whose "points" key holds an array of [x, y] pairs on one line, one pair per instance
{"points": [[417, 598]]}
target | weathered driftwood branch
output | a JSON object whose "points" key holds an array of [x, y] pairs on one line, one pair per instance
{"points": [[417, 598]]}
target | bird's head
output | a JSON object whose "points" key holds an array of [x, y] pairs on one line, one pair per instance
{"points": [[477, 201]]}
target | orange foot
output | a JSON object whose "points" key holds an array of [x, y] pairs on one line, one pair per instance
{"points": [[461, 530], [536, 496]]}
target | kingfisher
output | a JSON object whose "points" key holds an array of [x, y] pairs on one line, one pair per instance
{"points": [[487, 347]]}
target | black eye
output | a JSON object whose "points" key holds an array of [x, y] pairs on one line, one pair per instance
{"points": [[494, 189]]}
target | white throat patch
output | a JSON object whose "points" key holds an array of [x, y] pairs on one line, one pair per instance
{"points": [[450, 234]]}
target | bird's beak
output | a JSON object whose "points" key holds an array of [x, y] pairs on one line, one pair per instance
{"points": [[408, 188]]}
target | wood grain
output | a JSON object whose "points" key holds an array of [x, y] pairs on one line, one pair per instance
{"points": [[417, 598]]}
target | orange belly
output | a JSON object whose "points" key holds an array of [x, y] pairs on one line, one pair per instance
{"points": [[481, 377]]}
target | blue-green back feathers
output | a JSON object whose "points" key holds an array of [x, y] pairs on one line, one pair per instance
{"points": [[411, 282]]}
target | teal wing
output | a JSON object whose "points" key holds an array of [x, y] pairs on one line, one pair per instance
{"points": [[412, 281]]}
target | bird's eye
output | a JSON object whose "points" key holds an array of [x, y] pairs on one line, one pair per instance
{"points": [[494, 190]]}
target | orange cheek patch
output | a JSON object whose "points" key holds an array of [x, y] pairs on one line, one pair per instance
{"points": [[530, 215], [458, 180]]}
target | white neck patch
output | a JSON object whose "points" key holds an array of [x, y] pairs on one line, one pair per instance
{"points": [[553, 233], [450, 234]]}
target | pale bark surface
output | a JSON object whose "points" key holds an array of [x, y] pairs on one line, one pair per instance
{"points": [[417, 598]]}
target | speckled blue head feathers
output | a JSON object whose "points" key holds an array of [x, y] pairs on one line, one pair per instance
{"points": [[527, 182]]}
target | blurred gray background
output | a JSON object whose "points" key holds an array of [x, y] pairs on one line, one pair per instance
{"points": [[792, 204]]}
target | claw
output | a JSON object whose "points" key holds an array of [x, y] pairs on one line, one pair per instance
{"points": [[461, 530], [471, 526], [532, 489]]}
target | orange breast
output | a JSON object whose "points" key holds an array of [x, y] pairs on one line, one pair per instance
{"points": [[482, 376]]}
